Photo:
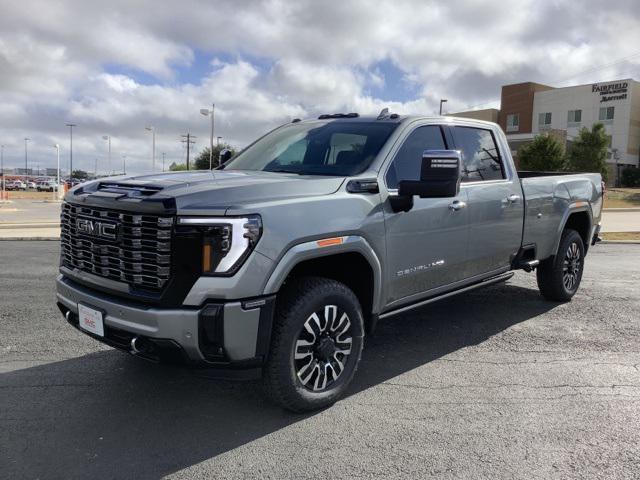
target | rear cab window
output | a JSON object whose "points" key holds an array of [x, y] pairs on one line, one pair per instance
{"points": [[481, 159]]}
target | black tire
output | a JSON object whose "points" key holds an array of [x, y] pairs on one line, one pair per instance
{"points": [[559, 276], [286, 380]]}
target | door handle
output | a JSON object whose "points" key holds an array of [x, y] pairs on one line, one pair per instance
{"points": [[513, 198], [457, 205]]}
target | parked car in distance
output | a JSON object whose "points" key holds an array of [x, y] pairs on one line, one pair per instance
{"points": [[16, 185], [287, 256], [31, 185], [47, 186]]}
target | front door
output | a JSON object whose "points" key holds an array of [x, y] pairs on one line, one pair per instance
{"points": [[426, 246]]}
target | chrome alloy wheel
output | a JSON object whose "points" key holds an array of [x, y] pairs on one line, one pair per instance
{"points": [[322, 348], [571, 267]]}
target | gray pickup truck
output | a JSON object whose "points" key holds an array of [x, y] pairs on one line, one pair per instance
{"points": [[287, 255]]}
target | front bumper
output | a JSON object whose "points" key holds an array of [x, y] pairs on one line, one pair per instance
{"points": [[233, 333]]}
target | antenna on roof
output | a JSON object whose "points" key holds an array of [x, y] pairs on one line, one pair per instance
{"points": [[384, 113]]}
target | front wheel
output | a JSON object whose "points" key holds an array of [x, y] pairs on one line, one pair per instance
{"points": [[559, 276], [316, 344]]}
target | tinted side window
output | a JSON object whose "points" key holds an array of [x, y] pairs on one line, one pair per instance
{"points": [[408, 161], [480, 156]]}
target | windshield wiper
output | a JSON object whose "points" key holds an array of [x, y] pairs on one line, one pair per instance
{"points": [[284, 170]]}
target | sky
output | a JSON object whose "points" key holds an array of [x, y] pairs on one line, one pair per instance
{"points": [[114, 68]]}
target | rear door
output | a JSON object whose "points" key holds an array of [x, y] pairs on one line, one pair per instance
{"points": [[494, 199], [426, 246]]}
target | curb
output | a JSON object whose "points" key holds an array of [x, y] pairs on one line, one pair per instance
{"points": [[622, 209], [620, 242], [7, 226], [15, 239]]}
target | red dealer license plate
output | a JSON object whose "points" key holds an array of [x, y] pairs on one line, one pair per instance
{"points": [[91, 320]]}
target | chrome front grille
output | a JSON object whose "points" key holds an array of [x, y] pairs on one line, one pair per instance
{"points": [[133, 248]]}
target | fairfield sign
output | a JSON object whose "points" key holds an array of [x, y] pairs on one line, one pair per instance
{"points": [[611, 91]]}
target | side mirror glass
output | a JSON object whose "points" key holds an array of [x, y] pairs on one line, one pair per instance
{"points": [[439, 176]]}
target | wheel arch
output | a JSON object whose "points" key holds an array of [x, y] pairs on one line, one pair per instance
{"points": [[578, 217], [352, 262]]}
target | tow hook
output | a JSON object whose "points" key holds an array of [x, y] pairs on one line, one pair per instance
{"points": [[138, 346]]}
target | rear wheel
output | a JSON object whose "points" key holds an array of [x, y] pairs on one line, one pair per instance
{"points": [[316, 345], [559, 276]]}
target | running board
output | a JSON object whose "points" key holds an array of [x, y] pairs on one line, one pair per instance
{"points": [[489, 281]]}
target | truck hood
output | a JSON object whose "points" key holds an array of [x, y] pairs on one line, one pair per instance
{"points": [[211, 190]]}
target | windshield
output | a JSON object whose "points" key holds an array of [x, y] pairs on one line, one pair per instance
{"points": [[316, 148]]}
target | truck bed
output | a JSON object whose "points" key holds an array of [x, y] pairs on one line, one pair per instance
{"points": [[548, 196]]}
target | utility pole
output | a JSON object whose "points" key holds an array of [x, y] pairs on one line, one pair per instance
{"points": [[71, 125], [25, 159], [95, 169], [188, 139], [163, 155], [124, 164]]}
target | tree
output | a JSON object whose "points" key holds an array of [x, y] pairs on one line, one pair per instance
{"points": [[202, 160], [80, 174], [589, 151], [177, 167], [544, 154]]}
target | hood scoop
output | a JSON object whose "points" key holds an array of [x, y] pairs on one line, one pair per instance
{"points": [[127, 189]]}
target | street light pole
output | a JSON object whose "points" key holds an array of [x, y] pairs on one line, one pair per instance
{"points": [[71, 125], [442, 100], [57, 147], [124, 164], [2, 169], [108, 138], [163, 155], [205, 112], [153, 147], [25, 159], [218, 141]]}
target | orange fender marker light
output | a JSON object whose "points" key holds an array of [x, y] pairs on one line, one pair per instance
{"points": [[327, 242], [206, 258]]}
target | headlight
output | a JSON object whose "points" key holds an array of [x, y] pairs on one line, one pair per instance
{"points": [[226, 242]]}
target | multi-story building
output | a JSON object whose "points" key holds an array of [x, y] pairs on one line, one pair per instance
{"points": [[527, 109]]}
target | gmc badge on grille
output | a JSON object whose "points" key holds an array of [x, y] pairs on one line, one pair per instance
{"points": [[108, 231]]}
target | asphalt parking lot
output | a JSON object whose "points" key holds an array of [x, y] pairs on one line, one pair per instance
{"points": [[493, 384]]}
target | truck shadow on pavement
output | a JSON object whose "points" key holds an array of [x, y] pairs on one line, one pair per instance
{"points": [[109, 415]]}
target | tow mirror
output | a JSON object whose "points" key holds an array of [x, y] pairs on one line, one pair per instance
{"points": [[225, 156], [439, 176]]}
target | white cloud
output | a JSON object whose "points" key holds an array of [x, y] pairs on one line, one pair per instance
{"points": [[115, 67]]}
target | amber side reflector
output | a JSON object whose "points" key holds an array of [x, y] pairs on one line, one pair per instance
{"points": [[326, 242], [206, 258]]}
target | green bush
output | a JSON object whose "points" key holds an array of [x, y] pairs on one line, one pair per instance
{"points": [[630, 177], [544, 154], [589, 151]]}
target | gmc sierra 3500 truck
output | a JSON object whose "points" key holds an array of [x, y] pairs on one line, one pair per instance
{"points": [[285, 256]]}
